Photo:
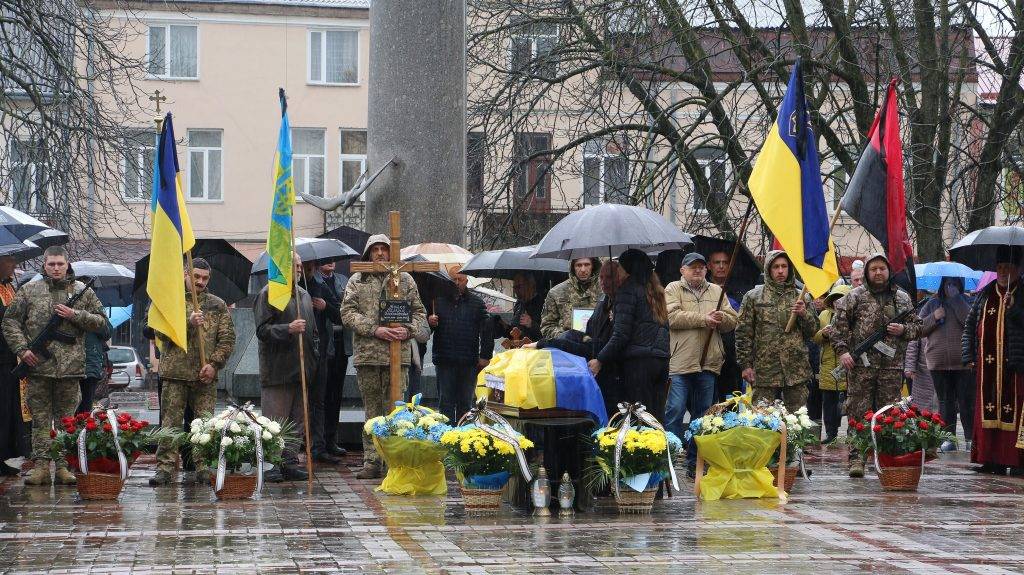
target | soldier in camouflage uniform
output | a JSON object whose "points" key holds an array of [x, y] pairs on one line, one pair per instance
{"points": [[775, 362], [581, 290], [186, 381], [372, 357], [876, 378], [53, 390]]}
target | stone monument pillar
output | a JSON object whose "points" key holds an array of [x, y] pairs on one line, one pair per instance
{"points": [[417, 115]]}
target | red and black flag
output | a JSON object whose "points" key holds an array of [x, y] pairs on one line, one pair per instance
{"points": [[875, 197]]}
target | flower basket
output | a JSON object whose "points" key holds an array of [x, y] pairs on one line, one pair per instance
{"points": [[408, 439], [234, 441], [481, 494], [738, 441], [97, 486], [236, 486], [792, 472], [636, 502], [899, 436]]}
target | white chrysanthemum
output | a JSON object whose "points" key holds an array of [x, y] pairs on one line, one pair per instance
{"points": [[262, 420], [204, 439], [805, 421], [274, 427], [267, 436], [240, 416], [235, 428], [219, 424], [802, 411], [196, 423], [791, 419], [194, 438], [226, 441]]}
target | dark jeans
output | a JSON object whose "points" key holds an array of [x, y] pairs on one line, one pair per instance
{"points": [[415, 386], [815, 401], [88, 387], [455, 385], [693, 393], [332, 398], [832, 412], [317, 390], [956, 391]]}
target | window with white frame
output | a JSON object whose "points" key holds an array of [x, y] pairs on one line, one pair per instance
{"points": [[333, 57], [531, 47], [29, 189], [309, 149], [605, 173], [533, 171], [173, 51], [139, 155], [716, 172], [206, 165], [353, 157]]}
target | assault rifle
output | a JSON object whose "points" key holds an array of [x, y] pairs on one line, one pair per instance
{"points": [[50, 332], [876, 337]]}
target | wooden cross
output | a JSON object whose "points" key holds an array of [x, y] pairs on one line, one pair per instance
{"points": [[517, 340], [394, 268]]}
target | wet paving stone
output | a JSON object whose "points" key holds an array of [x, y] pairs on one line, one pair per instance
{"points": [[957, 522]]}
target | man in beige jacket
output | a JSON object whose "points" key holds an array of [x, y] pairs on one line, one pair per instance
{"points": [[695, 310]]}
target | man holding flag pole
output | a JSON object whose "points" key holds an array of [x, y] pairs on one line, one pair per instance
{"points": [[289, 344]]}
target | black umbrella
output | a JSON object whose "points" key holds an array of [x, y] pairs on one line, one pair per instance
{"points": [[20, 224], [608, 230], [113, 285], [353, 238], [311, 250], [979, 249], [11, 245], [507, 263], [229, 278], [49, 237]]}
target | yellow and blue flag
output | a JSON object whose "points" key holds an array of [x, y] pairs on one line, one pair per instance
{"points": [[280, 268], [786, 186], [172, 237]]}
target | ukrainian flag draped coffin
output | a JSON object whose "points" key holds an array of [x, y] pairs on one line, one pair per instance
{"points": [[172, 237], [786, 186], [544, 379]]}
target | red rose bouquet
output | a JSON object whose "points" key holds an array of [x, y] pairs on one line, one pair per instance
{"points": [[132, 435], [901, 432]]}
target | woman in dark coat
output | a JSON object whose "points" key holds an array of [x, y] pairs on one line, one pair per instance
{"points": [[12, 443], [640, 336]]}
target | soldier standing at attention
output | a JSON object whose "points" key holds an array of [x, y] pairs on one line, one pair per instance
{"points": [[876, 377], [53, 390], [360, 312], [580, 291], [186, 380], [774, 361]]}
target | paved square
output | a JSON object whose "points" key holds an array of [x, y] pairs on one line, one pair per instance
{"points": [[958, 522]]}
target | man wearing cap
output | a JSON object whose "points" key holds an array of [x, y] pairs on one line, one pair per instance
{"points": [[372, 340], [876, 376], [695, 312], [993, 345]]}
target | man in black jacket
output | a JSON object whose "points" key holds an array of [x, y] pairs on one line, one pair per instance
{"points": [[337, 365], [463, 345], [326, 314]]}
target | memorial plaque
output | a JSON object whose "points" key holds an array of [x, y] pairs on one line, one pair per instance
{"points": [[395, 311]]}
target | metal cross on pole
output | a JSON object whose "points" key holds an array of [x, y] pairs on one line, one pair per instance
{"points": [[392, 309]]}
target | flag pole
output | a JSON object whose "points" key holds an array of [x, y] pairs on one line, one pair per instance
{"points": [[803, 291], [302, 375], [728, 275], [195, 308]]}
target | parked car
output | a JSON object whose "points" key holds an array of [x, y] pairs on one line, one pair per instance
{"points": [[128, 369]]}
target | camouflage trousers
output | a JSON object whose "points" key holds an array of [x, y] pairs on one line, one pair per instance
{"points": [[793, 396], [374, 385], [871, 388], [49, 399], [175, 397]]}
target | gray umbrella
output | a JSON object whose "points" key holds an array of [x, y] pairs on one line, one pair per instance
{"points": [[49, 237], [20, 224], [114, 282], [608, 230], [21, 251], [312, 250], [507, 263], [978, 249]]}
